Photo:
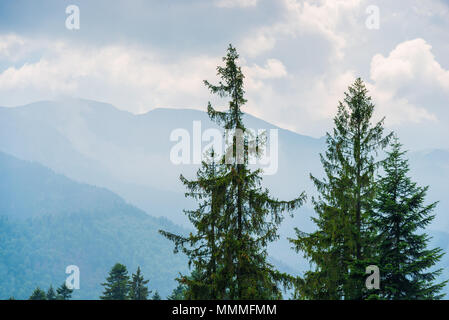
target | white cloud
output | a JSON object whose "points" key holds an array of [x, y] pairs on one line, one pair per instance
{"points": [[261, 42], [409, 71], [398, 109], [327, 90], [321, 18], [235, 3], [273, 68], [133, 78], [410, 61], [10, 45]]}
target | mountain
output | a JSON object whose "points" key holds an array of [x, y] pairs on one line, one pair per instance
{"points": [[98, 144], [48, 222]]}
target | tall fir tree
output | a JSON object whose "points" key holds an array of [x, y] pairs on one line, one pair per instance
{"points": [[116, 286], [405, 261], [343, 244], [38, 294], [138, 289], [229, 248], [64, 292]]}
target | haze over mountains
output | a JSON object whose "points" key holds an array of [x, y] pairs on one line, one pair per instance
{"points": [[48, 222], [95, 143]]}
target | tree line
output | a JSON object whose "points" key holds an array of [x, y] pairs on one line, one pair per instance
{"points": [[61, 293], [118, 286]]}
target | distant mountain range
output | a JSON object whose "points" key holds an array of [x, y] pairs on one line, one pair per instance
{"points": [[95, 143]]}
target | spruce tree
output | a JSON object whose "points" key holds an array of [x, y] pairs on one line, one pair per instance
{"points": [[64, 293], [138, 289], [156, 296], [178, 293], [343, 245], [38, 294], [116, 286], [51, 294], [237, 218], [404, 257]]}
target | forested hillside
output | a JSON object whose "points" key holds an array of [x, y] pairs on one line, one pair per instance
{"points": [[48, 222]]}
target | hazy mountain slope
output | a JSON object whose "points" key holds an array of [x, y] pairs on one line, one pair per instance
{"points": [[129, 154], [30, 190], [48, 222], [98, 144]]}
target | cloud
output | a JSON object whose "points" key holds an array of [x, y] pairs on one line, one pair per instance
{"points": [[261, 42], [323, 18], [409, 72], [9, 46], [236, 3], [260, 88], [273, 68], [298, 57], [133, 78], [410, 62]]}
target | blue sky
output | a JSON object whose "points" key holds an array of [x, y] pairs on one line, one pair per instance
{"points": [[298, 57]]}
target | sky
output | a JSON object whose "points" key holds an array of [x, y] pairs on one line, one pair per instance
{"points": [[298, 57]]}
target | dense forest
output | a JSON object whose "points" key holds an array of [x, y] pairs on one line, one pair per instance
{"points": [[369, 212]]}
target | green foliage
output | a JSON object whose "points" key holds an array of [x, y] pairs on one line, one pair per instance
{"points": [[38, 294], [343, 245], [178, 293], [236, 218], [64, 293], [138, 289], [51, 294], [404, 257], [116, 286], [156, 296]]}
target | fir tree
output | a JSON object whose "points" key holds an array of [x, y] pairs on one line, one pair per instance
{"points": [[117, 284], [38, 294], [238, 218], [178, 293], [156, 296], [51, 294], [200, 286], [405, 259], [201, 248], [64, 293], [343, 245], [138, 289]]}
